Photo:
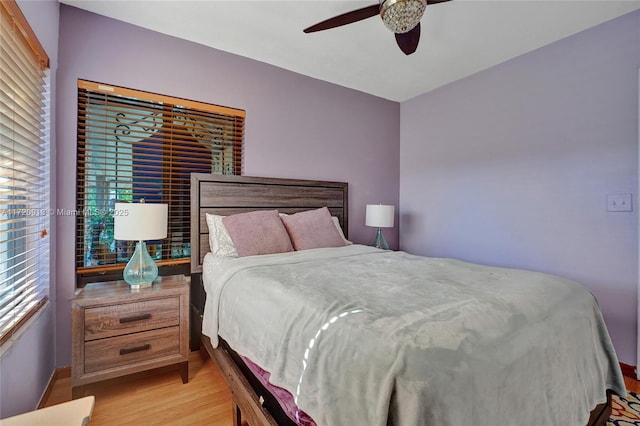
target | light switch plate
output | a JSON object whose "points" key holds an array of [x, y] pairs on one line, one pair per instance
{"points": [[619, 203]]}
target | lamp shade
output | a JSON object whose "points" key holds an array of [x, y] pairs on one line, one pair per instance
{"points": [[140, 221], [379, 215]]}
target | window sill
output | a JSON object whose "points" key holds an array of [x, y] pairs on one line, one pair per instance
{"points": [[8, 344]]}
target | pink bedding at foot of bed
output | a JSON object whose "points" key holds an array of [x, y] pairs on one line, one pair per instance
{"points": [[284, 398]]}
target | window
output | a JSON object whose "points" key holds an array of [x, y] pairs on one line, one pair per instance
{"points": [[24, 172], [134, 145]]}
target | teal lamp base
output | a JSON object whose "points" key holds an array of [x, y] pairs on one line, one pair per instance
{"points": [[141, 269], [379, 241]]}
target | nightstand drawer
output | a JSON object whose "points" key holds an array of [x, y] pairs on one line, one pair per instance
{"points": [[116, 320], [131, 348]]}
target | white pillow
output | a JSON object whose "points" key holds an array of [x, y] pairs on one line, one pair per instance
{"points": [[219, 239], [336, 221]]}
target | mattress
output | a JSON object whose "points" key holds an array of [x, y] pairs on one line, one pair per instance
{"points": [[363, 336]]}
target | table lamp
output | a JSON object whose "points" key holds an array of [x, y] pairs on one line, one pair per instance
{"points": [[139, 222], [380, 216]]}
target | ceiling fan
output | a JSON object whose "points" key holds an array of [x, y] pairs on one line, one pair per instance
{"points": [[400, 16]]}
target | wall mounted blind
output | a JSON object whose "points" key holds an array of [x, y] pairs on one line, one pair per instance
{"points": [[133, 145], [24, 172]]}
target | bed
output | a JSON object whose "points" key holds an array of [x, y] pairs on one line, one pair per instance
{"points": [[354, 359]]}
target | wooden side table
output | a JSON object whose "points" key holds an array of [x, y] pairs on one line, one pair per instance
{"points": [[118, 331]]}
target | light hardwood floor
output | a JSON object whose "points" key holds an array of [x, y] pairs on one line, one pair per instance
{"points": [[159, 397], [632, 385]]}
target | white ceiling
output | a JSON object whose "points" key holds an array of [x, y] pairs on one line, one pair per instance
{"points": [[458, 38]]}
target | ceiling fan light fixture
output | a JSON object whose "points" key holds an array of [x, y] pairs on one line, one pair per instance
{"points": [[401, 16]]}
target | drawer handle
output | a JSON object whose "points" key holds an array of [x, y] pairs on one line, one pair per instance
{"points": [[135, 318], [144, 347]]}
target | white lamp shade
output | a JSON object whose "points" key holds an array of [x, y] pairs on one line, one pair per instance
{"points": [[379, 216], [140, 221]]}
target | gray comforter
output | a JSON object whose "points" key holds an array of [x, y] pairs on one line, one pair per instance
{"points": [[362, 336]]}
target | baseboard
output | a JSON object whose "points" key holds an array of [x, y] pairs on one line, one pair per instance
{"points": [[628, 370], [59, 373]]}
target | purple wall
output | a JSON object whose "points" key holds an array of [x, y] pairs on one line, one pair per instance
{"points": [[27, 363], [512, 166], [296, 127]]}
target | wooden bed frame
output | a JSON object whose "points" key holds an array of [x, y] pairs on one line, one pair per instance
{"points": [[226, 195]]}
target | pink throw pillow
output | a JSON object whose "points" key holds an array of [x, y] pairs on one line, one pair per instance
{"points": [[258, 232], [312, 229]]}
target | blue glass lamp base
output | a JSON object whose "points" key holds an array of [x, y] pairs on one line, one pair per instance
{"points": [[141, 269], [379, 241]]}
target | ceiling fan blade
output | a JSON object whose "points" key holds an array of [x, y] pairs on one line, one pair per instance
{"points": [[408, 42], [345, 18], [436, 1]]}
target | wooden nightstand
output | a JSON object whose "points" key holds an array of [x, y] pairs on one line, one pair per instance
{"points": [[118, 331]]}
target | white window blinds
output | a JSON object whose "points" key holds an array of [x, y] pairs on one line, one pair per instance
{"points": [[24, 172]]}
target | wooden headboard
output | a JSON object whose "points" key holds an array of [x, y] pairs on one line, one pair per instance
{"points": [[226, 195]]}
